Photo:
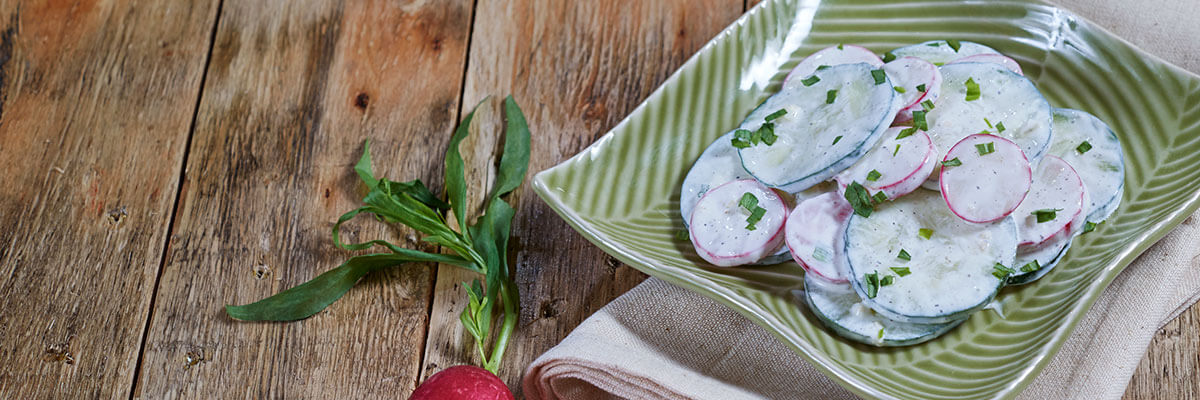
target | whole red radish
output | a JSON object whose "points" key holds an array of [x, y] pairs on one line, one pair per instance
{"points": [[462, 382]]}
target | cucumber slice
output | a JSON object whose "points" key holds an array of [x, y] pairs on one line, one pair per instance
{"points": [[950, 273], [828, 126], [1048, 253], [1000, 59], [1102, 168], [1004, 99], [940, 52], [842, 311]]}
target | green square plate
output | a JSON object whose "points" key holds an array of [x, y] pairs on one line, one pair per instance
{"points": [[622, 192]]}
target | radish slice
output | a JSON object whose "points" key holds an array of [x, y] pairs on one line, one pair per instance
{"points": [[719, 227], [907, 74], [1009, 63], [940, 51], [830, 56], [814, 233], [902, 164], [1048, 253], [984, 187], [1056, 187]]}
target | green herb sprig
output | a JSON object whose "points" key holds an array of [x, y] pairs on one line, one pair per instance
{"points": [[481, 247]]}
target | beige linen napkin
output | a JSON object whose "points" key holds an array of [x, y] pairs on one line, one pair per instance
{"points": [[662, 342]]}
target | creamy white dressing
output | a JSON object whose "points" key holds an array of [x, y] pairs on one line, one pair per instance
{"points": [[813, 234], [985, 187], [1055, 186], [909, 73], [1005, 98], [831, 56], [839, 307], [951, 272], [1102, 168], [940, 52], [902, 164], [805, 152], [998, 59], [719, 230]]}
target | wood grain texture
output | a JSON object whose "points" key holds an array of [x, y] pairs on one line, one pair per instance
{"points": [[576, 68], [293, 89], [1171, 367], [96, 99]]}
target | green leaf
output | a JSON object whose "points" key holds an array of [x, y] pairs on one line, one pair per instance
{"points": [[306, 299], [515, 160], [419, 191], [363, 168], [456, 180]]}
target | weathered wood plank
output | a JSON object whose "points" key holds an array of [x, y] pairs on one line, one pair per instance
{"points": [[576, 68], [96, 100], [1171, 367], [293, 89]]}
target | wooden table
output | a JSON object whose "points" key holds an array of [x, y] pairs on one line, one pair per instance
{"points": [[163, 158]]}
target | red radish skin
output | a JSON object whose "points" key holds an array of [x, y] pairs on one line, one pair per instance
{"points": [[718, 224], [985, 188], [819, 222], [910, 72], [462, 382], [902, 171], [848, 54], [1056, 186], [1009, 63]]}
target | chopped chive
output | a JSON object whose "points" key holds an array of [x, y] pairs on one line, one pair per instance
{"points": [[906, 132], [934, 44], [925, 233], [879, 197], [927, 105], [919, 120], [748, 201], [880, 334], [741, 139], [766, 132], [921, 87], [754, 217], [1089, 226], [873, 175], [821, 254], [840, 47], [822, 67], [830, 96], [879, 76], [897, 150], [859, 199], [999, 127], [954, 44], [811, 80], [1031, 266], [972, 90], [1046, 214], [904, 255], [1001, 272], [888, 57], [989, 123], [899, 89], [1083, 147], [986, 148], [836, 139], [775, 115], [954, 162], [939, 64], [872, 281], [901, 271], [886, 280]]}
